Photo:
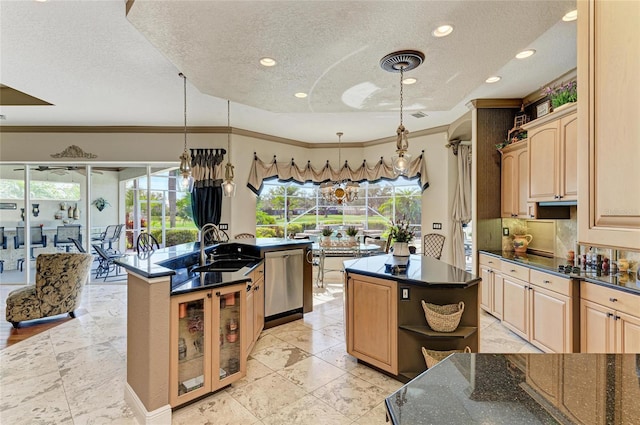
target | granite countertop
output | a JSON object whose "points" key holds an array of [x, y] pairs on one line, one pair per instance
{"points": [[624, 281], [501, 389], [176, 261], [421, 270]]}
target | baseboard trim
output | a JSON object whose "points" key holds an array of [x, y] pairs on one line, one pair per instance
{"points": [[160, 416]]}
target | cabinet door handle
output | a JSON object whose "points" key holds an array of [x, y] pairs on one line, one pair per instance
{"points": [[546, 281], [248, 288], [613, 300], [218, 294], [255, 288], [609, 315], [560, 196], [209, 295], [616, 317], [556, 197], [512, 271]]}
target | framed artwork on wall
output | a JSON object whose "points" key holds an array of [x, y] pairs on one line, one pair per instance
{"points": [[543, 109]]}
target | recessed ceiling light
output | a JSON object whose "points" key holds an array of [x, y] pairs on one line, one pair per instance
{"points": [[570, 16], [493, 79], [525, 54], [442, 31], [267, 62], [409, 81], [300, 95]]}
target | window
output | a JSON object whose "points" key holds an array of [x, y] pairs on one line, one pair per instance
{"points": [[40, 190], [290, 208]]}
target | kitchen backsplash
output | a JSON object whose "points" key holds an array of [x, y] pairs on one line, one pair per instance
{"points": [[561, 236]]}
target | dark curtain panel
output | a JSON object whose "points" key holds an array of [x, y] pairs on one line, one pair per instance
{"points": [[206, 197]]}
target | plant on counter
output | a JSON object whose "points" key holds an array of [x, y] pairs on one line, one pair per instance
{"points": [[401, 231], [564, 93], [352, 231], [327, 231], [100, 203], [519, 229]]}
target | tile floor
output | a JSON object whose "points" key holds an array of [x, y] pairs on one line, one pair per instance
{"points": [[298, 373]]}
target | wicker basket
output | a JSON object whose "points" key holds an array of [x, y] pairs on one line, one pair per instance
{"points": [[432, 357], [443, 318]]}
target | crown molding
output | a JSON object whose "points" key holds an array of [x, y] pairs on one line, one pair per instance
{"points": [[495, 104]]}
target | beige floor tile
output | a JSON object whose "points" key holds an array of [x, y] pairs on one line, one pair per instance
{"points": [[339, 357], [311, 341], [376, 378], [498, 339], [220, 409], [268, 395], [334, 331], [255, 371], [311, 373], [280, 355], [350, 395], [375, 416], [307, 411]]}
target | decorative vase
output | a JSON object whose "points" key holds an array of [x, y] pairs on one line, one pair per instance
{"points": [[76, 213], [70, 212], [401, 249], [521, 242]]}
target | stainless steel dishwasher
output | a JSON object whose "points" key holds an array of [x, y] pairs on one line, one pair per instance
{"points": [[283, 283]]}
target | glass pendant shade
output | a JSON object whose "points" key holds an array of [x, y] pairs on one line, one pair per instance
{"points": [[401, 163], [229, 189], [186, 183]]}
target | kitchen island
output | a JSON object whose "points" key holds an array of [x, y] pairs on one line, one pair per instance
{"points": [[385, 322], [189, 333], [584, 389]]}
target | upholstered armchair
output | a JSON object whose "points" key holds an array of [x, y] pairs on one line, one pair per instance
{"points": [[59, 282]]}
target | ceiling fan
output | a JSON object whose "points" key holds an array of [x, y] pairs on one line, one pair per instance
{"points": [[61, 170]]}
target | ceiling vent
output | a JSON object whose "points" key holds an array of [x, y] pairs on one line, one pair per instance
{"points": [[419, 114]]}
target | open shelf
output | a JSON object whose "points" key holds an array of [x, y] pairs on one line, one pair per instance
{"points": [[461, 332]]}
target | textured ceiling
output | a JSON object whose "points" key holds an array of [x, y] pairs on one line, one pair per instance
{"points": [[100, 66]]}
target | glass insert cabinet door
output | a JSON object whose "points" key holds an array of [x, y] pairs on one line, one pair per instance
{"points": [[230, 360], [190, 356]]}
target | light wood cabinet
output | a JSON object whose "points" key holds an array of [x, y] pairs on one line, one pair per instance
{"points": [[552, 156], [372, 321], [206, 342], [491, 287], [541, 308], [608, 125], [608, 323], [514, 180], [255, 308]]}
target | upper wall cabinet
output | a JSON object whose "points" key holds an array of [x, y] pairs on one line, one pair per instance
{"points": [[514, 180], [553, 156], [608, 124]]}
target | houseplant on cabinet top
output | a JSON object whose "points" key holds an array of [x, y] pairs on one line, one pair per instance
{"points": [[401, 233], [564, 94]]}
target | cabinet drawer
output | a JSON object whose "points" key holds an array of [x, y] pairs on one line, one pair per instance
{"points": [[489, 261], [561, 285], [258, 273], [514, 270], [611, 298]]}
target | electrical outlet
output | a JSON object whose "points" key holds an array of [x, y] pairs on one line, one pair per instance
{"points": [[505, 231], [223, 226], [437, 226], [404, 295]]}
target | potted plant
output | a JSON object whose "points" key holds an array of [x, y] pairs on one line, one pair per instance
{"points": [[326, 234], [521, 239], [101, 203], [563, 94], [401, 234], [352, 232]]}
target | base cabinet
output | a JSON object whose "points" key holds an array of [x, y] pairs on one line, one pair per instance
{"points": [[492, 286], [255, 308], [207, 343], [607, 323], [387, 328]]}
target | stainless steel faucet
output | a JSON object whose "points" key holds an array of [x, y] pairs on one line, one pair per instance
{"points": [[210, 232]]}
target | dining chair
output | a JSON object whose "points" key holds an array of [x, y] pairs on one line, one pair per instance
{"points": [[110, 236], [38, 240], [433, 243], [106, 262], [65, 233], [146, 242]]}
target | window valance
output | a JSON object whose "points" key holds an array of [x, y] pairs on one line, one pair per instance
{"points": [[290, 171]]}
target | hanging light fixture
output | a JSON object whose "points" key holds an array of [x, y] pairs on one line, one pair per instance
{"points": [[402, 61], [185, 158], [228, 186], [339, 191]]}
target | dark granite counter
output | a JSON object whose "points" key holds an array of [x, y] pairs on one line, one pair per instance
{"points": [[176, 262], [522, 389], [420, 270], [623, 281]]}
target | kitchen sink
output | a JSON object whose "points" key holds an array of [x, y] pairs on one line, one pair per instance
{"points": [[224, 265]]}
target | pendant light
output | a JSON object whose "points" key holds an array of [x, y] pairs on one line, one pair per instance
{"points": [[339, 191], [402, 61], [185, 158], [228, 186]]}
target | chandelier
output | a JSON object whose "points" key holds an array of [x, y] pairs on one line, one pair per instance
{"points": [[402, 61], [228, 187], [185, 158], [339, 191]]}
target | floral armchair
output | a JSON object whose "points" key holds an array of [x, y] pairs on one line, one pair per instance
{"points": [[59, 282]]}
